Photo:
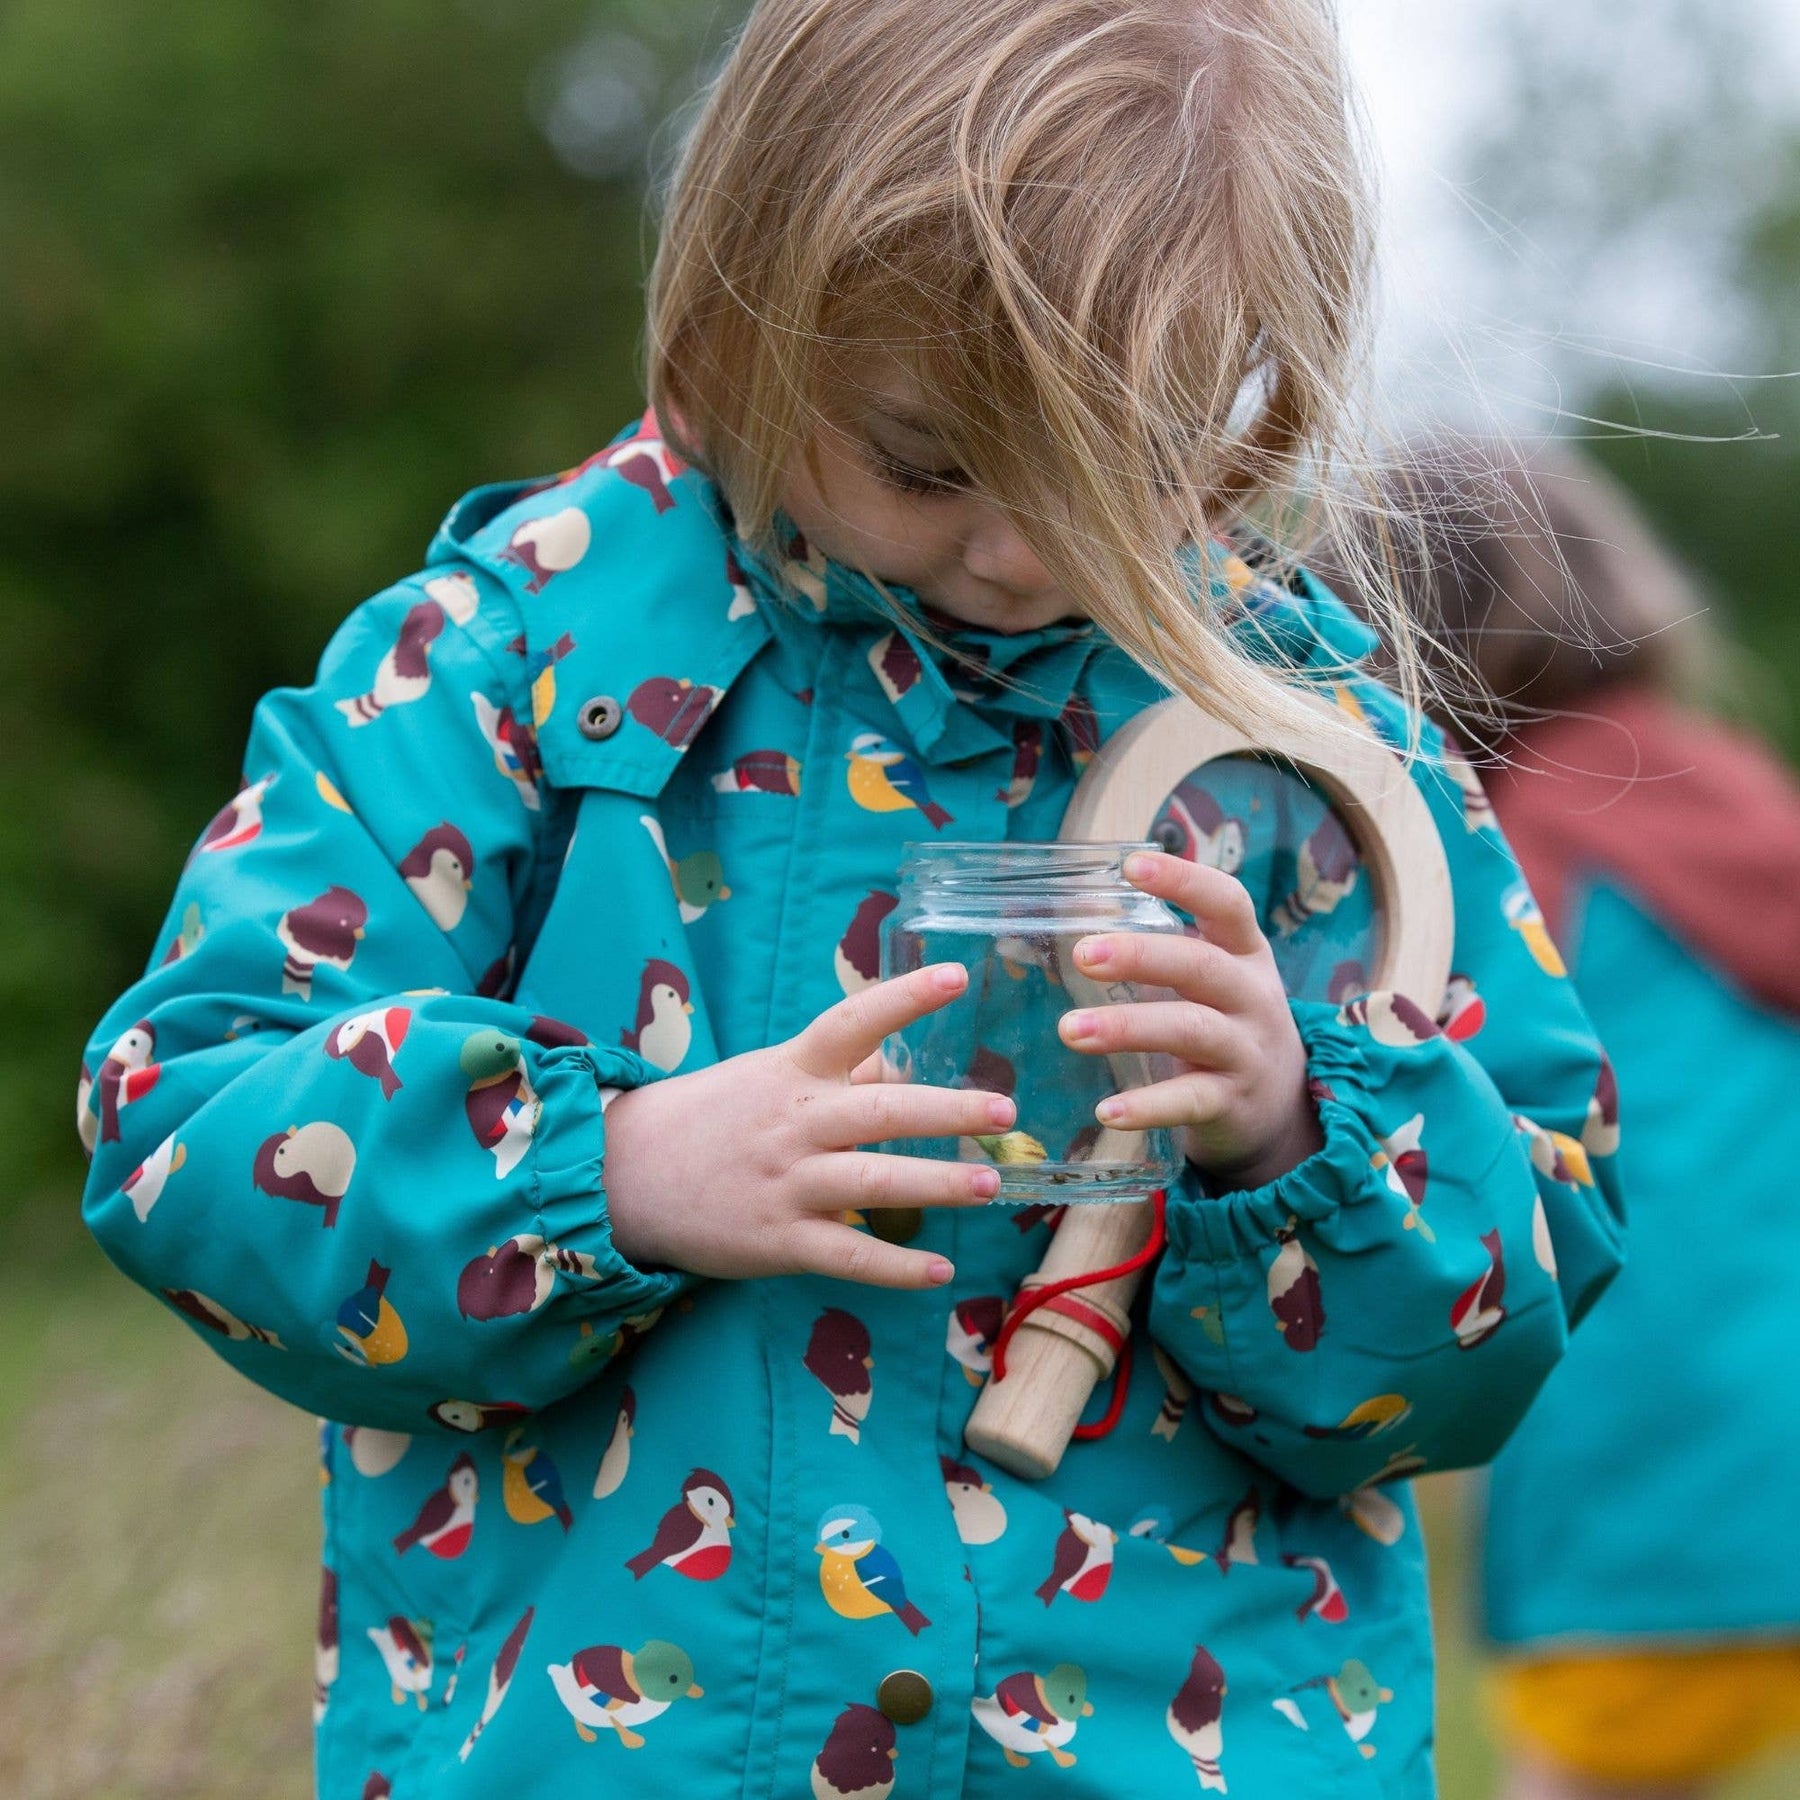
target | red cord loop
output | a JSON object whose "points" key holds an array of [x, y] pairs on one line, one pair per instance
{"points": [[1031, 1299]]}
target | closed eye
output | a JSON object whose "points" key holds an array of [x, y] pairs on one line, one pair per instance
{"points": [[911, 479]]}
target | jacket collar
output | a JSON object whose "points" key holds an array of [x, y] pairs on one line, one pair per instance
{"points": [[634, 591]]}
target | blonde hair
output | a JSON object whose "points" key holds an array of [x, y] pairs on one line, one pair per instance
{"points": [[1123, 245], [1537, 580]]}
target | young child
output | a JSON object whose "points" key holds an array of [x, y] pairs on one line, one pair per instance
{"points": [[1635, 1571], [496, 1086]]}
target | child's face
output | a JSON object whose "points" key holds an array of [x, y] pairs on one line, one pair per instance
{"points": [[878, 491]]}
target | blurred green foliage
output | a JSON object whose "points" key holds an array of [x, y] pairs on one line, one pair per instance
{"points": [[277, 283]]}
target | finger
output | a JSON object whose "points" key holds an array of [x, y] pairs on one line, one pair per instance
{"points": [[876, 1111], [842, 1251], [848, 1034], [1193, 1099], [1194, 967], [873, 1067], [1179, 1028], [871, 1178], [1220, 903]]}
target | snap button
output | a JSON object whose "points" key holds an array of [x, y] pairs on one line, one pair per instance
{"points": [[600, 717], [904, 1696], [895, 1224]]}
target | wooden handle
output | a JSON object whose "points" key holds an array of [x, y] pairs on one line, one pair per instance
{"points": [[1059, 1353]]}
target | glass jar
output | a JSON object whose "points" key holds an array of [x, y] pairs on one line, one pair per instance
{"points": [[1012, 913]]}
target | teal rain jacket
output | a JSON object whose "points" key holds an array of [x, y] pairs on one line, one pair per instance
{"points": [[570, 810]]}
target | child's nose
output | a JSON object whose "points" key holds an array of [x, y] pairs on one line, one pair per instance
{"points": [[994, 551]]}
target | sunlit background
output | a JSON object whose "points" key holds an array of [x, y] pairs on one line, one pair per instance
{"points": [[278, 283]]}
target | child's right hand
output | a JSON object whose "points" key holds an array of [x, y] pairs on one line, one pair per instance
{"points": [[747, 1167]]}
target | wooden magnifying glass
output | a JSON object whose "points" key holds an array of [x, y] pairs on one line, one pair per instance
{"points": [[1331, 816]]}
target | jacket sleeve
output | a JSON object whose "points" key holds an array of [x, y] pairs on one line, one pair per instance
{"points": [[316, 1130], [1394, 1302]]}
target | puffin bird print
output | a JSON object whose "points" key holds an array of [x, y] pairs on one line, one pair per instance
{"points": [[1480, 1308], [664, 1027], [239, 821], [1522, 914], [1082, 1563], [1195, 1718], [883, 778], [979, 1514], [373, 1452], [325, 930], [370, 1042], [446, 1521], [404, 674], [472, 1416], [129, 1073], [1463, 1012], [405, 1647], [549, 546], [311, 1163], [839, 1357], [858, 1760], [499, 1680], [501, 1105], [1028, 752], [532, 1484], [1027, 1714], [857, 1572], [614, 1689], [440, 871], [369, 1330], [694, 1536]]}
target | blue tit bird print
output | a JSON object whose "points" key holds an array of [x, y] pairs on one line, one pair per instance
{"points": [[883, 778], [858, 1574]]}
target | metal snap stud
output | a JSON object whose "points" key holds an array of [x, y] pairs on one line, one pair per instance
{"points": [[904, 1696], [600, 717]]}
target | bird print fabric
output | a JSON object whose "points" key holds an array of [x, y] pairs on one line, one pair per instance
{"points": [[589, 1526]]}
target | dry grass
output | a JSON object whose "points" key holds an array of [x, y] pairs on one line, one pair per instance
{"points": [[158, 1561]]}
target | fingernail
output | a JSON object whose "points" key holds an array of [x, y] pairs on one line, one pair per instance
{"points": [[985, 1182], [1109, 1110], [948, 977], [1093, 950], [1137, 866], [1079, 1025], [1001, 1110], [938, 1271]]}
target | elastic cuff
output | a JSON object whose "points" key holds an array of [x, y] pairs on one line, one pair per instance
{"points": [[1213, 1227], [570, 1157]]}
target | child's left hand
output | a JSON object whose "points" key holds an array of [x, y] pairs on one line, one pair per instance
{"points": [[1241, 1093]]}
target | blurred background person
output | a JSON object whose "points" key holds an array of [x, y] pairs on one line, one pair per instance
{"points": [[1638, 1552]]}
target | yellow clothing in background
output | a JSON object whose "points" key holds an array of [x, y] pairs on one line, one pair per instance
{"points": [[1668, 1716]]}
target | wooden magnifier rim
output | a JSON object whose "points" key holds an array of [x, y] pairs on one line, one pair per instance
{"points": [[1367, 784]]}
